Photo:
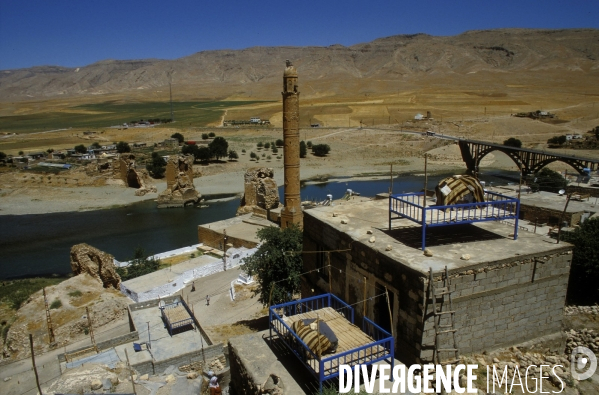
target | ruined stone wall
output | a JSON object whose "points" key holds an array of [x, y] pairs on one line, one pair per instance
{"points": [[548, 216], [497, 304], [180, 190]]}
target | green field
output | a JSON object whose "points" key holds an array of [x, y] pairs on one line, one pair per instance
{"points": [[196, 113]]}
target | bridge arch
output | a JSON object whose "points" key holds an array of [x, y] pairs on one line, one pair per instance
{"points": [[576, 165], [510, 154]]}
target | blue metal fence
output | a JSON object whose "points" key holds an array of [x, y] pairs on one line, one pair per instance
{"points": [[326, 368], [495, 207]]}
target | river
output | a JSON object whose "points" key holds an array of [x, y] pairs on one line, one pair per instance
{"points": [[36, 245]]}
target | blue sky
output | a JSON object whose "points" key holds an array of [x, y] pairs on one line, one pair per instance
{"points": [[77, 33]]}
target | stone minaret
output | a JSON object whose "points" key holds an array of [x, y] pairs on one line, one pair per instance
{"points": [[292, 212]]}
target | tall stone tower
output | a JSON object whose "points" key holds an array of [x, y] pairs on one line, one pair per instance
{"points": [[292, 212]]}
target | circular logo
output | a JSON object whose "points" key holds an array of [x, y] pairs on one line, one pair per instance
{"points": [[583, 363]]}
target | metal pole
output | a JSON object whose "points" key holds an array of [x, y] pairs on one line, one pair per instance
{"points": [[149, 339], [37, 379], [391, 191], [425, 179], [390, 313], [561, 218]]}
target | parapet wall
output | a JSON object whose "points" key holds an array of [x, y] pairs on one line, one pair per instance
{"points": [[157, 367]]}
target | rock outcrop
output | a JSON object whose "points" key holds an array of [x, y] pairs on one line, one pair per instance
{"points": [[98, 264], [180, 190], [260, 191]]}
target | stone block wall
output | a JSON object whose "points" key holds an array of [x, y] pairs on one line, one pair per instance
{"points": [[504, 303], [497, 304]]}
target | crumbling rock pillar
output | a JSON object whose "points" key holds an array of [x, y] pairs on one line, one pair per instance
{"points": [[292, 212], [180, 190], [260, 191]]}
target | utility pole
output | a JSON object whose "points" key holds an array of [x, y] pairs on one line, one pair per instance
{"points": [[37, 379], [225, 250], [48, 320], [170, 91], [90, 328]]}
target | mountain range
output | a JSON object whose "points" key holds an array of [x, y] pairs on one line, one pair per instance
{"points": [[324, 71]]}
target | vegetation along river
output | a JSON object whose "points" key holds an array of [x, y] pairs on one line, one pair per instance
{"points": [[36, 245]]}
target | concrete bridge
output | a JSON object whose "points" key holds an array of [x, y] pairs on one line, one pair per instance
{"points": [[528, 160]]}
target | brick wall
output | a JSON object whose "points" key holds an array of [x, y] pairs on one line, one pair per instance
{"points": [[505, 303]]}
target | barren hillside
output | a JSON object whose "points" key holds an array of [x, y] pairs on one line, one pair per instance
{"points": [[336, 70]]}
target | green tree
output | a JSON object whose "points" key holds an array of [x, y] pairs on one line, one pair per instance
{"points": [[138, 266], [558, 140], [219, 147], [122, 147], [211, 134], [513, 142], [275, 149], [260, 145], [548, 180], [50, 150], [2, 155], [203, 154], [280, 143], [179, 137], [303, 150], [267, 145], [277, 263], [95, 144], [309, 144], [80, 149], [157, 166], [204, 136], [583, 286], [21, 153], [190, 149], [253, 155], [233, 155], [321, 149]]}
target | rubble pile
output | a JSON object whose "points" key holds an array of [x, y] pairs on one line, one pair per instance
{"points": [[584, 338], [577, 310]]}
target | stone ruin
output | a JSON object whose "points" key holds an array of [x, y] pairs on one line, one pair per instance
{"points": [[133, 177], [260, 191], [98, 264], [180, 190]]}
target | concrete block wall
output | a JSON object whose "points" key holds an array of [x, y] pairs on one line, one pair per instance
{"points": [[503, 303], [157, 367], [548, 216]]}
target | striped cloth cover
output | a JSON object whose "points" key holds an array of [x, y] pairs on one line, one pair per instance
{"points": [[311, 338], [454, 190]]}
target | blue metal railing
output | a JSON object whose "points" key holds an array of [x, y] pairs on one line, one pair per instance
{"points": [[495, 207], [325, 368]]}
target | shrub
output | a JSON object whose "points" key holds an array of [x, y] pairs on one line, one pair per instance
{"points": [[548, 180], [268, 157], [253, 155], [321, 149], [280, 143], [260, 145], [274, 150], [211, 134], [75, 294], [513, 142], [243, 151], [157, 166], [558, 140], [179, 137], [267, 145], [122, 147], [233, 155], [204, 136], [56, 304], [303, 150], [309, 144]]}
